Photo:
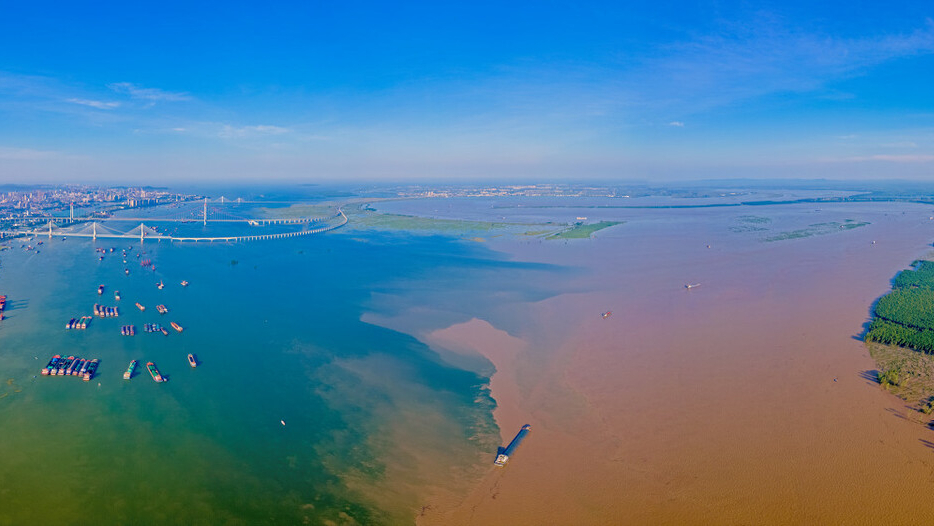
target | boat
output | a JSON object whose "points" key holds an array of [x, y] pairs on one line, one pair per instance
{"points": [[154, 372], [165, 332], [84, 368], [184, 283], [126, 270], [92, 368], [51, 365], [504, 454], [100, 290], [162, 309], [71, 324], [160, 285], [71, 368], [607, 314], [191, 360], [63, 364], [129, 370], [177, 327], [117, 295], [140, 307], [691, 286]]}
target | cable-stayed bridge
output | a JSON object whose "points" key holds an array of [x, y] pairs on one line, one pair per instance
{"points": [[99, 228]]}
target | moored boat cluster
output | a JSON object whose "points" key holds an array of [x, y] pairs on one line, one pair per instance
{"points": [[78, 323], [86, 368], [106, 312], [71, 366]]}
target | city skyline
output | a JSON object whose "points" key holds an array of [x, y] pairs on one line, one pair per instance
{"points": [[427, 92]]}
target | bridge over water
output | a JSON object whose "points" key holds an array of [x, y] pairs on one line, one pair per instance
{"points": [[97, 229]]}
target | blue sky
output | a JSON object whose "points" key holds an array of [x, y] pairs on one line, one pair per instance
{"points": [[548, 90]]}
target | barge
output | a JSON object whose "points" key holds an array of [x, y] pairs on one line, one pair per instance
{"points": [[154, 372], [504, 455], [92, 368], [51, 365], [129, 370]]}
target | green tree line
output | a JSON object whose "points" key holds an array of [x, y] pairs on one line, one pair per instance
{"points": [[905, 316]]}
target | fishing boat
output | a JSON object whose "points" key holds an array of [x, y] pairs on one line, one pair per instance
{"points": [[184, 283], [607, 314], [165, 332], [129, 370], [100, 289], [160, 285], [140, 307], [692, 285], [191, 360], [154, 372], [177, 327], [117, 295]]}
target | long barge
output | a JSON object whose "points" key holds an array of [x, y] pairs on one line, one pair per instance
{"points": [[503, 457], [154, 372], [92, 368], [129, 370], [51, 365]]}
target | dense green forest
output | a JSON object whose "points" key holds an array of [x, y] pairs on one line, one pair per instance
{"points": [[905, 316]]}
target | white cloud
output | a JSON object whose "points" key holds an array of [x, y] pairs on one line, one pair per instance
{"points": [[25, 154], [919, 158], [232, 132], [677, 124], [151, 94], [101, 105]]}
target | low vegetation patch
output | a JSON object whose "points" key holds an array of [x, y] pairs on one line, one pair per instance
{"points": [[817, 229], [583, 231], [905, 373]]}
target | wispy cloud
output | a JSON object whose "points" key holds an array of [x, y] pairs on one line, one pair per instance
{"points": [[677, 124], [150, 94], [889, 158], [233, 132], [101, 105], [760, 57], [26, 154]]}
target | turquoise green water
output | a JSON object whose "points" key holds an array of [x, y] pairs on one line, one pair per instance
{"points": [[372, 416]]}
